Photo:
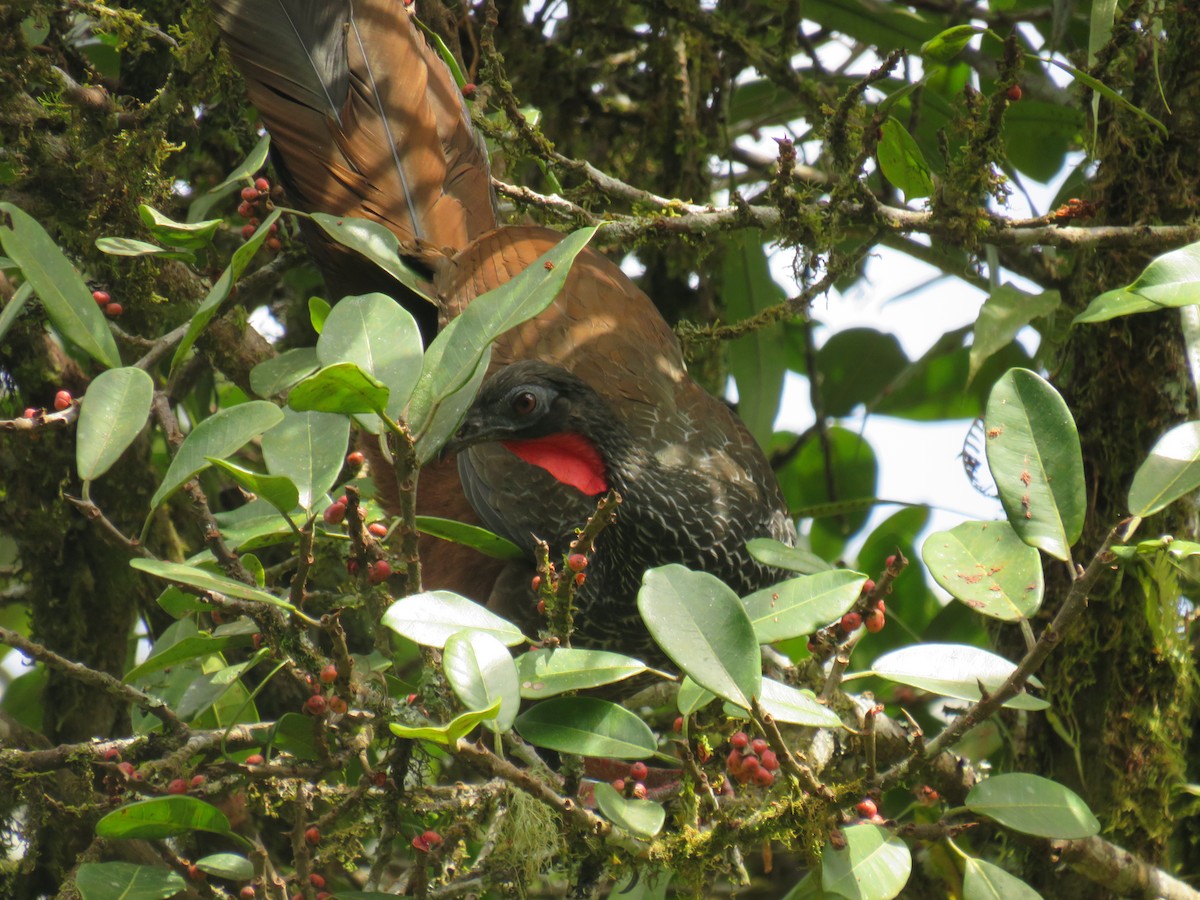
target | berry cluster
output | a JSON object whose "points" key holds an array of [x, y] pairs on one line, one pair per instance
{"points": [[254, 199], [378, 571], [869, 811], [751, 760], [427, 841], [634, 786], [318, 704], [105, 301]]}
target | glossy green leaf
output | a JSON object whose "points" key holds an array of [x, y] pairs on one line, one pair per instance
{"points": [[58, 285], [450, 733], [448, 412], [588, 727], [781, 556], [692, 697], [845, 382], [641, 817], [1112, 304], [988, 567], [953, 670], [226, 865], [13, 308], [378, 335], [318, 312], [1101, 88], [275, 375], [946, 45], [112, 414], [1033, 805], [206, 581], [797, 707], [470, 536], [223, 287], [1034, 456], [984, 881], [163, 817], [887, 26], [127, 881], [1005, 312], [902, 161], [341, 388], [188, 235], [122, 246], [874, 865], [544, 673], [376, 243], [805, 484], [1171, 471], [430, 618], [242, 174], [308, 448], [1172, 279], [199, 646], [218, 436], [703, 627], [278, 490], [481, 671], [802, 605], [293, 734]]}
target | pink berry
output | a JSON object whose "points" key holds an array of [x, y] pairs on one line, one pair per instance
{"points": [[577, 562], [768, 760], [866, 807], [764, 777], [196, 781], [639, 791], [733, 762], [759, 746], [248, 232], [619, 785], [113, 310], [379, 572], [851, 622], [329, 674], [875, 621], [62, 400], [249, 194], [245, 209], [127, 769], [378, 529], [317, 881], [335, 513], [30, 413], [638, 771], [262, 185], [177, 786], [112, 754], [868, 586], [316, 705], [247, 892], [355, 459], [750, 765], [312, 836], [739, 740], [255, 759], [102, 298], [677, 725], [337, 705]]}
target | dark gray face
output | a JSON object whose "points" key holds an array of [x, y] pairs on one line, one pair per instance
{"points": [[525, 400]]}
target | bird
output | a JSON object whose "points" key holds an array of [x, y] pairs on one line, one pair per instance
{"points": [[366, 120]]}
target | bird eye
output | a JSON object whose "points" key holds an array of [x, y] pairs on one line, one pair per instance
{"points": [[524, 403]]}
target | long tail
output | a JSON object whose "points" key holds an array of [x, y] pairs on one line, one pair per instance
{"points": [[365, 119]]}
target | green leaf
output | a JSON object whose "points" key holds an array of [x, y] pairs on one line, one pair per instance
{"points": [[376, 243], [1171, 471], [641, 817], [902, 161], [13, 309], [469, 536], [432, 617], [703, 627], [984, 881], [1033, 805], [845, 381], [454, 357], [943, 47], [308, 448], [797, 707], [111, 415], [245, 170], [226, 865], [988, 567], [187, 235], [223, 287], [341, 388], [1111, 304], [1172, 279], [121, 246], [692, 697], [1034, 456], [200, 646], [163, 817], [781, 556], [381, 338], [802, 605], [127, 881], [544, 673], [953, 670], [278, 490], [1005, 312], [318, 311], [874, 865], [448, 734], [481, 671], [293, 734], [206, 581], [58, 285], [277, 374], [588, 727], [218, 436], [1100, 87]]}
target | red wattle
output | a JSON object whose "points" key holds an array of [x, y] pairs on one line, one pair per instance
{"points": [[570, 458]]}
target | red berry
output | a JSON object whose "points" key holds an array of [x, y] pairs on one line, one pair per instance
{"points": [[410, 699], [113, 310], [316, 881], [30, 413], [677, 725], [639, 791], [638, 771], [378, 529], [535, 584], [102, 298], [851, 622], [875, 621], [541, 607], [432, 838], [329, 674], [354, 459], [335, 513], [352, 566], [878, 820], [196, 781], [273, 228], [177, 786], [62, 400], [274, 244], [764, 777], [256, 639], [740, 740], [750, 765], [1013, 93], [337, 705], [379, 572], [255, 759], [312, 837], [194, 873], [580, 578], [768, 760], [245, 209], [248, 232], [379, 779], [759, 746], [468, 90], [127, 769], [577, 562], [316, 705], [619, 785], [866, 807], [868, 586], [733, 762], [262, 185], [112, 754], [247, 892], [250, 194], [890, 562]]}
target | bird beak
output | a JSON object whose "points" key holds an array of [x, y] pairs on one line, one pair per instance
{"points": [[472, 431]]}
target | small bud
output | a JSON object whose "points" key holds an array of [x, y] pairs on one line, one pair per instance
{"points": [[196, 781], [194, 874], [890, 562], [468, 90], [247, 892], [677, 725], [580, 578], [639, 791], [273, 244], [62, 400], [112, 754], [29, 413], [535, 584]]}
